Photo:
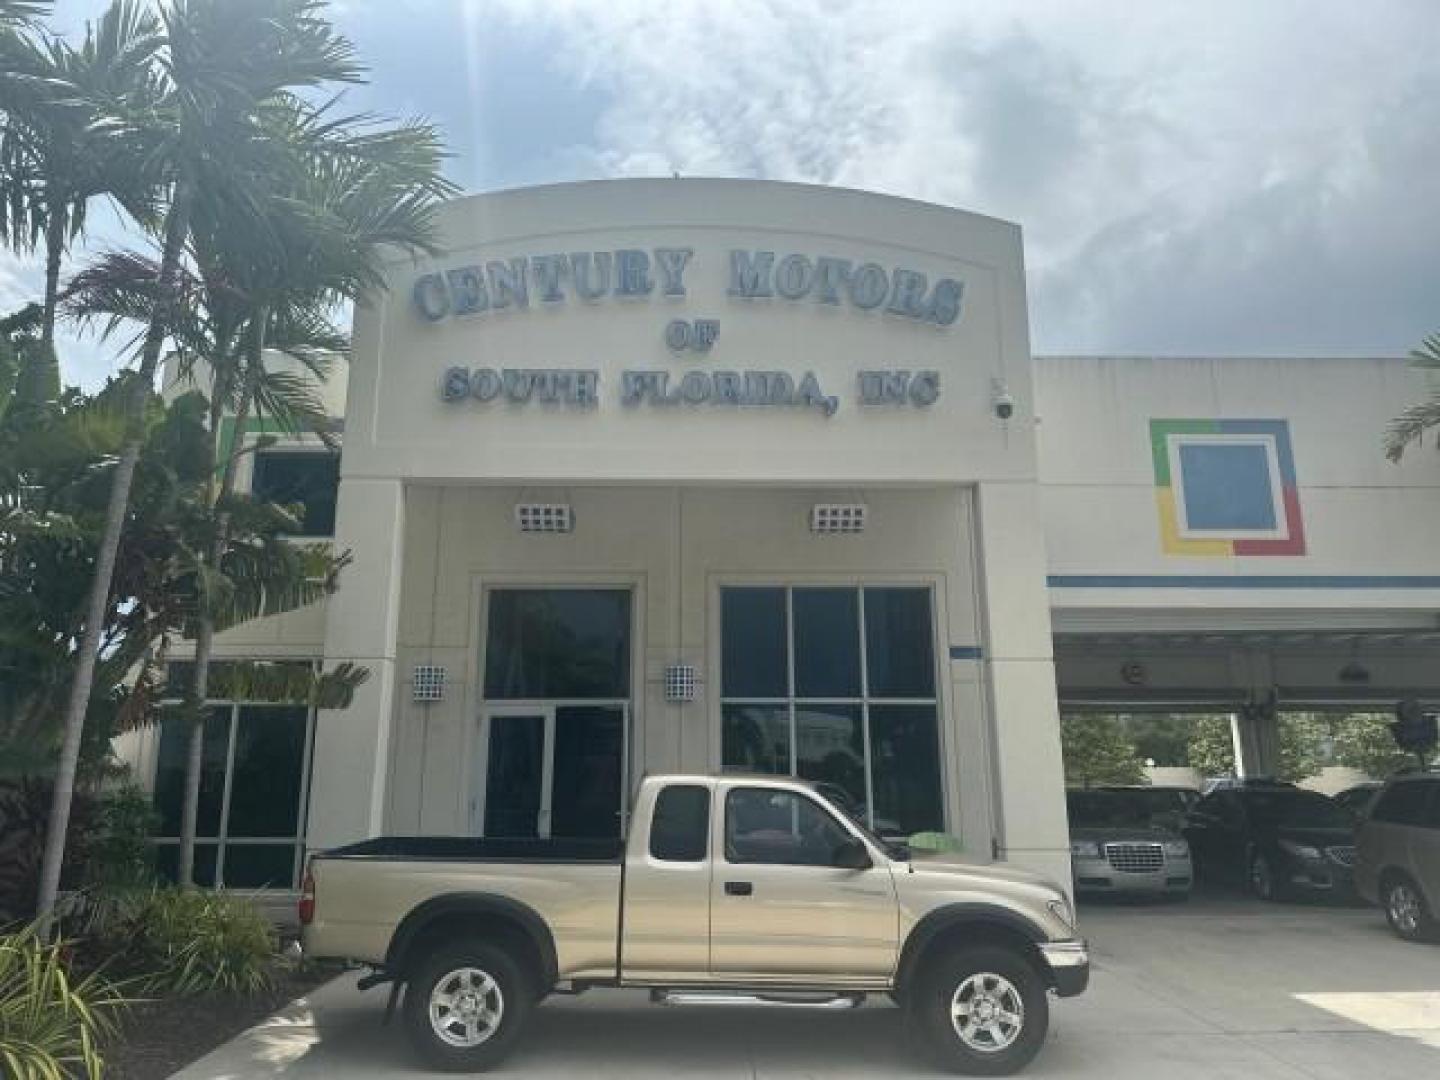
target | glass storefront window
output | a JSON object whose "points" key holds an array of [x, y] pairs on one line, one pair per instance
{"points": [[836, 685], [250, 828], [558, 643]]}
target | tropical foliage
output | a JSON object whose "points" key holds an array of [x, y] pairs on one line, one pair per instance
{"points": [[1411, 425], [213, 125], [182, 941], [1098, 751], [52, 1024]]}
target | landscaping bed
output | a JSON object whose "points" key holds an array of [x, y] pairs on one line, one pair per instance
{"points": [[161, 1036]]}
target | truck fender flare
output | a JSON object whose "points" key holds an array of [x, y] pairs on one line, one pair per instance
{"points": [[978, 915], [531, 924]]}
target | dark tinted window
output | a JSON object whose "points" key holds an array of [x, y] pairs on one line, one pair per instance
{"points": [[905, 760], [754, 656], [1403, 803], [755, 738], [265, 781], [763, 825], [682, 823], [170, 773], [827, 642], [558, 643], [899, 651], [308, 477], [830, 747]]}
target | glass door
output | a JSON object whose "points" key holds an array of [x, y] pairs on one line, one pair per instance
{"points": [[553, 770], [518, 774], [554, 739]]}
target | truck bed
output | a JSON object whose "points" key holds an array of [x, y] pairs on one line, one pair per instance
{"points": [[572, 885]]}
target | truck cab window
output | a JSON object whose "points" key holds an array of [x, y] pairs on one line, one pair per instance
{"points": [[765, 825], [681, 825]]}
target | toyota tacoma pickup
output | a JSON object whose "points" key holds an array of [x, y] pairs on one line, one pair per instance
{"points": [[729, 891]]}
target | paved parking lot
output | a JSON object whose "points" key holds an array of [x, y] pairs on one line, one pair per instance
{"points": [[1216, 988]]}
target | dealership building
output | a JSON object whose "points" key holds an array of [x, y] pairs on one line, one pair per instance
{"points": [[653, 475]]}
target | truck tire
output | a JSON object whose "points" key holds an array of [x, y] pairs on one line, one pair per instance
{"points": [[981, 1011], [466, 1004]]}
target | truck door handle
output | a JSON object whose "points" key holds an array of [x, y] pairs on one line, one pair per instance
{"points": [[739, 888]]}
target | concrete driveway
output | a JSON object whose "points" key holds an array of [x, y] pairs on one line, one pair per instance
{"points": [[1216, 988]]}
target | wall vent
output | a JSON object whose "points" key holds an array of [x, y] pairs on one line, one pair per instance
{"points": [[832, 518], [545, 517], [427, 683], [681, 681]]}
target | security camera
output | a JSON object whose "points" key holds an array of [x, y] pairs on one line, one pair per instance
{"points": [[1003, 402]]}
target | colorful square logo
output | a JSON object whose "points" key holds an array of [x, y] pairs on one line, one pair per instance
{"points": [[1226, 487]]}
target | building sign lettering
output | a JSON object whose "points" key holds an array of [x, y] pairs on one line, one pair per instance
{"points": [[633, 273], [663, 389]]}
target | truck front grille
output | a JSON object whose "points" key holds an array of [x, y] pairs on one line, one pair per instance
{"points": [[1345, 856], [1135, 858]]}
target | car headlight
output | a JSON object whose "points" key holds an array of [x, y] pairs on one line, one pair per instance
{"points": [[1301, 851], [1177, 849], [1085, 849]]}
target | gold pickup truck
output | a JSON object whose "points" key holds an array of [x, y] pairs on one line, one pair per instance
{"points": [[732, 890]]}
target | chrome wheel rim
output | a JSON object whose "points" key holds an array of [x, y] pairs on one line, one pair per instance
{"points": [[466, 1007], [987, 1012], [1404, 908], [1260, 878]]}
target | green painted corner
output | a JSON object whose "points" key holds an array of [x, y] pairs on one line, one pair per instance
{"points": [[1160, 430]]}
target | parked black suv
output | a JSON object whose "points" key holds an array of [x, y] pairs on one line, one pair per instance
{"points": [[1274, 839]]}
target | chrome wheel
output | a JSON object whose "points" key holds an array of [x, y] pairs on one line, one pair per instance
{"points": [[987, 1012], [466, 1007], [1402, 904]]}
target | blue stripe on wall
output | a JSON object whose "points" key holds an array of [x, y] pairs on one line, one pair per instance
{"points": [[965, 652], [1242, 581]]}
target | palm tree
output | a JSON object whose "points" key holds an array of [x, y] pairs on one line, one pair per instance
{"points": [[54, 157], [222, 64], [265, 288], [1411, 425], [354, 188]]}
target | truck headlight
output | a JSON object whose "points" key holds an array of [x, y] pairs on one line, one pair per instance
{"points": [[1177, 849], [1301, 851], [1085, 849]]}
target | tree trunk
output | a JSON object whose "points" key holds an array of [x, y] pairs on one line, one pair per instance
{"points": [[54, 252], [177, 226], [205, 629]]}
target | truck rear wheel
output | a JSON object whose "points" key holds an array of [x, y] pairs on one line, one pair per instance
{"points": [[466, 1004], [982, 1011]]}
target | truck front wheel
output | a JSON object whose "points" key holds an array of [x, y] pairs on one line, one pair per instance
{"points": [[982, 1011], [466, 1004]]}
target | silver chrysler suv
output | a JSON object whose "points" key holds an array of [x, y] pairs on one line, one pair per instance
{"points": [[1397, 854]]}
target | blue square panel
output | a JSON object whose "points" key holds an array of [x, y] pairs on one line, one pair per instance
{"points": [[1226, 487]]}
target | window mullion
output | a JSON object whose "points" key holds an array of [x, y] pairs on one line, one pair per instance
{"points": [[790, 678], [865, 710]]}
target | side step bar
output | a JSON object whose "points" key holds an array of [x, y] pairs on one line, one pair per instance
{"points": [[752, 999]]}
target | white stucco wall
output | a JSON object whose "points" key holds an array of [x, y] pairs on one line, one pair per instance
{"points": [[1364, 518], [713, 490]]}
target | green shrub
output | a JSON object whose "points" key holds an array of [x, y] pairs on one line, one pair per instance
{"points": [[51, 1024], [186, 941], [119, 852]]}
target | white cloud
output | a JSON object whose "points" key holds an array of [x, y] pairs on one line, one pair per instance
{"points": [[1190, 177]]}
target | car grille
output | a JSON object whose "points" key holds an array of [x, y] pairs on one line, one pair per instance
{"points": [[1345, 856], [1135, 858]]}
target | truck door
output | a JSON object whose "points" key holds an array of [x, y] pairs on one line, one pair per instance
{"points": [[781, 910]]}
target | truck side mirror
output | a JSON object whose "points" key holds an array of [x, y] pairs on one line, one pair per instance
{"points": [[851, 855]]}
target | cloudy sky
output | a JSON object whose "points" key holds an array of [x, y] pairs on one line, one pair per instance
{"points": [[1223, 177]]}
